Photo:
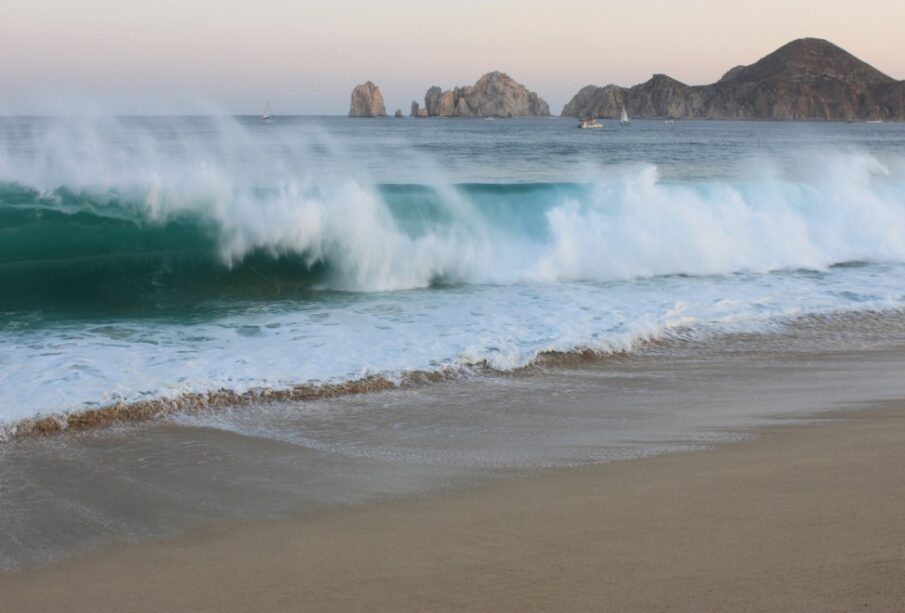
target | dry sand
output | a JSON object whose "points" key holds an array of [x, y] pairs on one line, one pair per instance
{"points": [[804, 517]]}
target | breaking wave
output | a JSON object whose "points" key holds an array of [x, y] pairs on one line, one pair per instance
{"points": [[312, 251], [159, 237]]}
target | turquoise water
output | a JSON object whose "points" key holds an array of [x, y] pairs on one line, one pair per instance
{"points": [[151, 257]]}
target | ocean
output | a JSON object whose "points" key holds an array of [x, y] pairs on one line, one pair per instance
{"points": [[543, 296]]}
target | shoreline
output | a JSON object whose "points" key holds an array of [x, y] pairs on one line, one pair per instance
{"points": [[161, 406], [800, 516]]}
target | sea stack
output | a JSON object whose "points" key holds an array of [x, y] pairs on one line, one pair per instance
{"points": [[495, 94], [806, 79], [367, 101]]}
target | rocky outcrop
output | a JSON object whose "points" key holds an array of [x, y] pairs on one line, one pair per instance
{"points": [[398, 114], [495, 94], [732, 73], [452, 104], [431, 98], [807, 79], [367, 101], [418, 111]]}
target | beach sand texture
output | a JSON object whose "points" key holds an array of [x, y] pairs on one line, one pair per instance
{"points": [[802, 517]]}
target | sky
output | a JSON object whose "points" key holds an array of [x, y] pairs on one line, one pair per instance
{"points": [[305, 56]]}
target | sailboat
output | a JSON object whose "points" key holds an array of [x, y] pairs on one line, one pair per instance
{"points": [[623, 121], [265, 116]]}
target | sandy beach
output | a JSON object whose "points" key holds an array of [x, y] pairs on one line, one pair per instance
{"points": [[801, 517], [305, 308]]}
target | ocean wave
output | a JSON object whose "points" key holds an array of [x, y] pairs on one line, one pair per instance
{"points": [[152, 245], [263, 268]]}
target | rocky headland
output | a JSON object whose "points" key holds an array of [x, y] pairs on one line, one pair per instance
{"points": [[367, 101], [807, 79]]}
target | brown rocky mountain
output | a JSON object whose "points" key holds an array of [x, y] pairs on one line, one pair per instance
{"points": [[496, 94], [367, 101], [808, 78]]}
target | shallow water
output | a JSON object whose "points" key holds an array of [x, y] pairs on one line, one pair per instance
{"points": [[63, 495]]}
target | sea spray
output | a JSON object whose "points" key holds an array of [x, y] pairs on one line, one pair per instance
{"points": [[626, 225]]}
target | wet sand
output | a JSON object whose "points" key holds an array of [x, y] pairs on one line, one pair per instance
{"points": [[802, 517]]}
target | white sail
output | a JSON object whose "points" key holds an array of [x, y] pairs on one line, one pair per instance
{"points": [[624, 119], [266, 115]]}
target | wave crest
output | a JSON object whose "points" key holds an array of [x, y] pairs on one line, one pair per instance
{"points": [[121, 211]]}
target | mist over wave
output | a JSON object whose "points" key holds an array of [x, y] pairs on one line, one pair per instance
{"points": [[101, 201]]}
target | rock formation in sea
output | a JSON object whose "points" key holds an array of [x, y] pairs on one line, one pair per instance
{"points": [[495, 94], [418, 111], [398, 114], [367, 101], [808, 78]]}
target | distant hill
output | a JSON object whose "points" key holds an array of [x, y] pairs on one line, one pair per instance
{"points": [[806, 79]]}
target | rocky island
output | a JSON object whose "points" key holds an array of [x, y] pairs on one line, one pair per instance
{"points": [[806, 79], [367, 101], [495, 94]]}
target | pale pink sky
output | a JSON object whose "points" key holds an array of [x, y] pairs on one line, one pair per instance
{"points": [[306, 55]]}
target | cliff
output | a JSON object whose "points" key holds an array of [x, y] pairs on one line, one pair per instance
{"points": [[495, 94], [367, 101], [808, 78]]}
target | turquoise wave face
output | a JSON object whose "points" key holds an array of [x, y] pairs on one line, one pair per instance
{"points": [[81, 260], [157, 247], [156, 243], [105, 252]]}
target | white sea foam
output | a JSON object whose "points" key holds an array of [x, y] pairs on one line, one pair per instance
{"points": [[74, 366]]}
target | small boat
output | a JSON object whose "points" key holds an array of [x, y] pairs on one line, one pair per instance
{"points": [[585, 124], [266, 115], [874, 121], [624, 121], [669, 121]]}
